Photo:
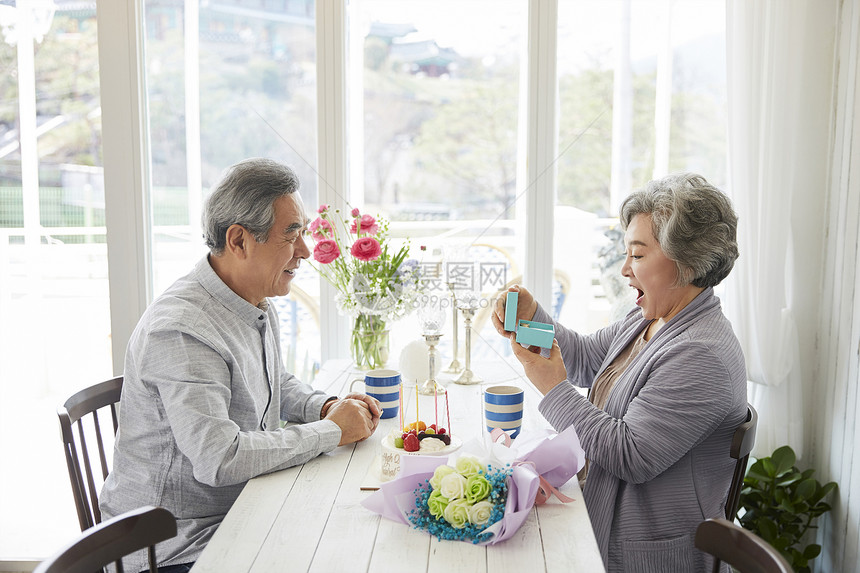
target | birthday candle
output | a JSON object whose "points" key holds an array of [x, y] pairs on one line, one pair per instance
{"points": [[436, 406], [400, 405], [417, 418], [448, 413]]}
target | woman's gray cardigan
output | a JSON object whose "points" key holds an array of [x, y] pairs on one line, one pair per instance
{"points": [[659, 453]]}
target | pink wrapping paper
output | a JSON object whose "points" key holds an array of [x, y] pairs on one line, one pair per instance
{"points": [[554, 457]]}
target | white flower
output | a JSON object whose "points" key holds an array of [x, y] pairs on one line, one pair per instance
{"points": [[479, 514], [453, 486], [457, 513], [441, 471], [468, 466]]}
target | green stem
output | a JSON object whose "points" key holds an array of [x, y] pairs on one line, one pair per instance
{"points": [[369, 343]]}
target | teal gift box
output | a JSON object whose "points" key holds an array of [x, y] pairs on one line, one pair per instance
{"points": [[535, 333]]}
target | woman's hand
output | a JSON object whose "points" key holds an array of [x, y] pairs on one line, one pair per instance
{"points": [[544, 373], [526, 308]]}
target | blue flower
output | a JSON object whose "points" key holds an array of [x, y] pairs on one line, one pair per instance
{"points": [[407, 273]]}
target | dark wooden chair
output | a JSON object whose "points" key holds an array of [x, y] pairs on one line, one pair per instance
{"points": [[80, 406], [743, 441], [742, 444], [110, 541], [742, 549]]}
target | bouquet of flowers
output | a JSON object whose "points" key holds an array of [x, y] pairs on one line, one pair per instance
{"points": [[375, 285], [484, 502], [460, 502]]}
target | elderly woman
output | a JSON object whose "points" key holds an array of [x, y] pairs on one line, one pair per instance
{"points": [[668, 381]]}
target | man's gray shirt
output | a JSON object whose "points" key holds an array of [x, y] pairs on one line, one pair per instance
{"points": [[203, 395]]}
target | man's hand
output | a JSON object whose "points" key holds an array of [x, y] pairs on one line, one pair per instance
{"points": [[354, 418], [526, 308], [372, 404], [544, 373]]}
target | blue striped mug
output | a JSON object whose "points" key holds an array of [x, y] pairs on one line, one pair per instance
{"points": [[503, 408], [384, 385]]}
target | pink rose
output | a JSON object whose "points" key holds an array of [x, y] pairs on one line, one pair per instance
{"points": [[365, 249], [326, 251], [355, 212], [320, 229], [368, 225], [323, 208]]}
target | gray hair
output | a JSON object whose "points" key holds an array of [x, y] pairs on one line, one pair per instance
{"points": [[694, 224], [246, 196]]}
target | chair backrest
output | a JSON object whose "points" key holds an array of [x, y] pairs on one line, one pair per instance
{"points": [[742, 444], [112, 540], [80, 406], [742, 549]]}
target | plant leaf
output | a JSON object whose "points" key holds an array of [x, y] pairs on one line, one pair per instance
{"points": [[783, 459], [767, 529], [788, 479], [806, 488], [769, 468]]}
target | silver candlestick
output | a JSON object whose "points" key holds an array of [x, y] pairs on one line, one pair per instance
{"points": [[455, 367], [429, 387], [468, 377]]}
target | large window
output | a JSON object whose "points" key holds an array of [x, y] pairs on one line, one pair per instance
{"points": [[440, 103], [55, 336], [642, 93], [227, 81]]}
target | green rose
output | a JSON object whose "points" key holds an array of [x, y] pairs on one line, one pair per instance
{"points": [[480, 513], [468, 466], [457, 513], [441, 471], [437, 504], [477, 488]]}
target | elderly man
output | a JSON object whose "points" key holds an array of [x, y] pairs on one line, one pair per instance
{"points": [[205, 388]]}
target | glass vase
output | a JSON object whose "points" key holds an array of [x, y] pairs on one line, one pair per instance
{"points": [[369, 344]]}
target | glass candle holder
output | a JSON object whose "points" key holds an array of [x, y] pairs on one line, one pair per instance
{"points": [[431, 317]]}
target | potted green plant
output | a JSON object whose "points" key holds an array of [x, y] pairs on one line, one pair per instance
{"points": [[782, 504]]}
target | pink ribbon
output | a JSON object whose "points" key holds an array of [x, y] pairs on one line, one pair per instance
{"points": [[545, 489], [494, 436]]}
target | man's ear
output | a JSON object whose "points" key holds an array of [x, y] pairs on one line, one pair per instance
{"points": [[238, 241]]}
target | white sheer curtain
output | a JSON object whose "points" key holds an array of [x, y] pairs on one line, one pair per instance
{"points": [[764, 43]]}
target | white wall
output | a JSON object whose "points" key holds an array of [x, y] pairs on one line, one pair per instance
{"points": [[833, 392]]}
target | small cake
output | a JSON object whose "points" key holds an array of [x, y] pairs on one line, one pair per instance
{"points": [[413, 442]]}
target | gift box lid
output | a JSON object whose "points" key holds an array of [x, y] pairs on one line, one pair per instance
{"points": [[511, 311]]}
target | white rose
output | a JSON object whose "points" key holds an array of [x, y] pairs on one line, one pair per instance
{"points": [[457, 513], [453, 486], [441, 472], [479, 514], [468, 466]]}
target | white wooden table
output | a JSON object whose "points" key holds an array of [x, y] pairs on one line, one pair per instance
{"points": [[309, 518]]}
